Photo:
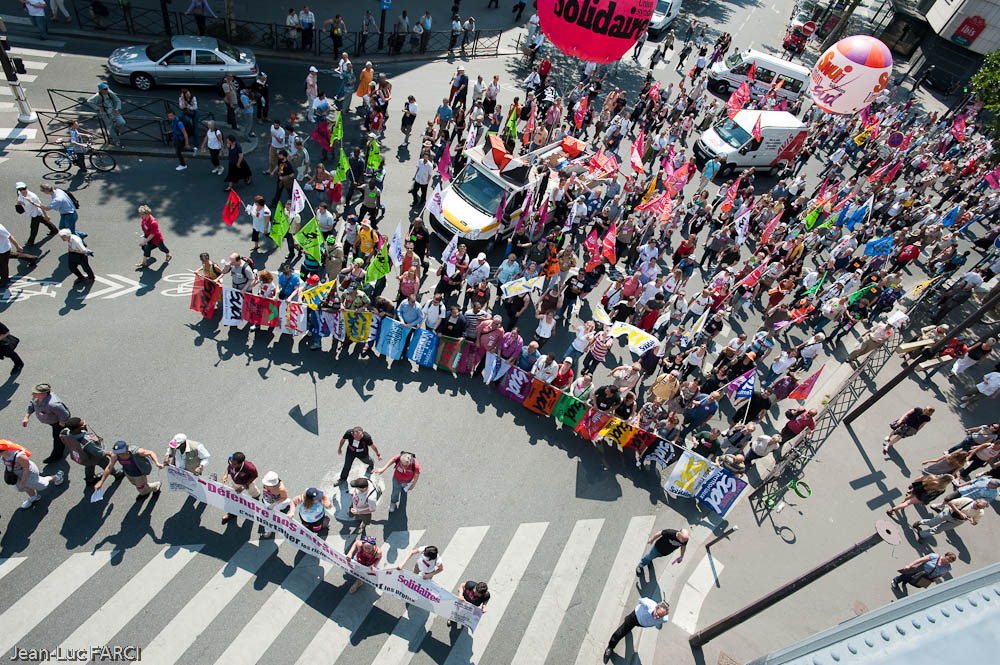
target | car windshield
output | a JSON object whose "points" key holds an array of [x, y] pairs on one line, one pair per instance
{"points": [[732, 133], [734, 60], [156, 51], [662, 6], [475, 187], [229, 50]]}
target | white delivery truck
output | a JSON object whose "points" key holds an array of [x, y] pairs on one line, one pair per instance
{"points": [[781, 138], [726, 76], [470, 202]]}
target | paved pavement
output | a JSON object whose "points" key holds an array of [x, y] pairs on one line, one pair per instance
{"points": [[549, 521]]}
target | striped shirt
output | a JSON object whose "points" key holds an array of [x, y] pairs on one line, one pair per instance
{"points": [[472, 321]]}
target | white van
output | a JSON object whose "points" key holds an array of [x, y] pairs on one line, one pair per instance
{"points": [[663, 16], [781, 138], [724, 77]]}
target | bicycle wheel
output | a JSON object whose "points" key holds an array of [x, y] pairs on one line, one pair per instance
{"points": [[56, 160], [802, 487], [102, 161]]}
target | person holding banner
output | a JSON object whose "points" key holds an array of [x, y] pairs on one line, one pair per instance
{"points": [[367, 553], [428, 563], [476, 593], [274, 496], [242, 476], [312, 506]]}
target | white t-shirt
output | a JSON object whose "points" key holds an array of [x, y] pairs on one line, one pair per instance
{"points": [[277, 137], [581, 340], [214, 140], [989, 384], [4, 239], [544, 372], [433, 314], [544, 329], [30, 201], [425, 565], [425, 168], [364, 500], [260, 217]]}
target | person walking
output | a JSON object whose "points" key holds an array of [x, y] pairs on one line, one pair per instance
{"points": [[7, 244], [187, 454], [954, 514], [31, 205], [242, 476], [152, 238], [8, 344], [907, 425], [137, 463], [179, 134], [199, 8], [49, 410], [406, 472], [358, 442], [78, 257], [86, 448], [924, 571], [212, 141], [663, 543], [476, 593], [275, 497], [364, 501], [421, 179], [989, 387], [647, 614], [312, 506], [428, 563], [923, 490], [18, 467], [230, 94], [874, 338], [65, 204]]}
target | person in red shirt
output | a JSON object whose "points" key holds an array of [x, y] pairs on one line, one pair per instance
{"points": [[544, 67], [685, 248], [405, 474], [151, 237], [906, 255], [803, 420]]}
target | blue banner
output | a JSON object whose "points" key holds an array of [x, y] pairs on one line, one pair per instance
{"points": [[423, 348], [879, 246], [391, 339], [720, 490]]}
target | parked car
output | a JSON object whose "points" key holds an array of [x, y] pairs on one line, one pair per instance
{"points": [[795, 41], [940, 80], [663, 16], [181, 60]]}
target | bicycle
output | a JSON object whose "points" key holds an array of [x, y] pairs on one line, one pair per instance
{"points": [[800, 488], [63, 160]]}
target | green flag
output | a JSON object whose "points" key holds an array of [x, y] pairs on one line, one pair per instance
{"points": [[338, 129], [512, 125], [311, 240], [857, 294], [342, 169], [815, 288], [379, 267], [812, 217], [374, 157], [279, 225]]}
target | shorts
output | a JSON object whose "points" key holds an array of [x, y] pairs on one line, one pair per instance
{"points": [[35, 482], [365, 518]]}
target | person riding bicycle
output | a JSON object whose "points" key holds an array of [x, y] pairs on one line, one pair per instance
{"points": [[79, 145], [109, 108]]}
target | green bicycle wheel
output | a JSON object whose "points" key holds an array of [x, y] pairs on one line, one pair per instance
{"points": [[802, 487]]}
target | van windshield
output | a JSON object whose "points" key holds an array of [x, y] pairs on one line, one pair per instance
{"points": [[476, 188], [734, 60], [663, 6], [732, 133]]}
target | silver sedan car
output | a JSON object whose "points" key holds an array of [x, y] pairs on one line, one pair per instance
{"points": [[181, 60]]}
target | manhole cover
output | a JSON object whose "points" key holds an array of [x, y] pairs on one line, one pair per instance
{"points": [[859, 608], [726, 660]]}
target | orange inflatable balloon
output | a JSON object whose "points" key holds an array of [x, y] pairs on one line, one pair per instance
{"points": [[595, 30]]}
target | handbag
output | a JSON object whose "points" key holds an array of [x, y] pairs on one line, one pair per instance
{"points": [[9, 477]]}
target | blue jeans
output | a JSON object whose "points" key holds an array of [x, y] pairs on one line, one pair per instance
{"points": [[572, 353], [41, 24], [398, 495], [67, 220], [653, 553]]}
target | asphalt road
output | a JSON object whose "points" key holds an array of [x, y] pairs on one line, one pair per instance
{"points": [[499, 482]]}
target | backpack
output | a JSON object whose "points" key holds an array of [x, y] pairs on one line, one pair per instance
{"points": [[76, 204], [141, 461]]}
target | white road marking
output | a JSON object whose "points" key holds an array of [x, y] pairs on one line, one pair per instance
{"points": [[19, 20], [503, 584], [8, 565], [610, 607], [5, 90], [697, 586], [551, 609], [34, 64], [114, 289], [335, 635], [131, 597], [15, 133], [27, 78], [32, 52], [188, 624], [411, 630], [6, 106], [36, 604]]}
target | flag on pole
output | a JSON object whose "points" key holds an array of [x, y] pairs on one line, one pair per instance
{"points": [[879, 172], [279, 224], [699, 325], [871, 290], [906, 142], [879, 246], [608, 244], [861, 214], [742, 226], [743, 385], [734, 105], [919, 288], [636, 153], [950, 218], [435, 203], [802, 390], [298, 198], [232, 208], [591, 244], [813, 216], [752, 72], [311, 240], [470, 141], [756, 131], [337, 133], [449, 254], [530, 127], [379, 267], [958, 128], [396, 246], [512, 125], [343, 168], [500, 208], [444, 165], [374, 156], [751, 279], [843, 203], [814, 289], [580, 113], [731, 194], [769, 229]]}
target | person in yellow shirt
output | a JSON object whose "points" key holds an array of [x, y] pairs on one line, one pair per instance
{"points": [[367, 241]]}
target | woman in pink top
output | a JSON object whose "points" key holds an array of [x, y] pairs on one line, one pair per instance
{"points": [[151, 237]]}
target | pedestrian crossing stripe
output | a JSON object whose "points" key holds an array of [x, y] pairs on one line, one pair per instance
{"points": [[32, 52], [279, 603], [17, 133]]}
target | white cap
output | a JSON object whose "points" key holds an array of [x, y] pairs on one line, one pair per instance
{"points": [[270, 479], [313, 69], [178, 440], [20, 185]]}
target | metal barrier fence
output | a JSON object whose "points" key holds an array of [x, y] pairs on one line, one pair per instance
{"points": [[145, 117], [122, 17]]}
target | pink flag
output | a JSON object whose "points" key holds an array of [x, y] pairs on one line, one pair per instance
{"points": [[892, 172], [802, 390], [592, 243], [731, 195], [636, 154], [993, 178], [769, 229], [751, 279], [878, 172], [958, 129], [444, 166]]}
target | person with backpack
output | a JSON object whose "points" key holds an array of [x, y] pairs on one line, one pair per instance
{"points": [[86, 448], [137, 463], [364, 501], [20, 471], [367, 553], [406, 472], [243, 275], [180, 138], [66, 205]]}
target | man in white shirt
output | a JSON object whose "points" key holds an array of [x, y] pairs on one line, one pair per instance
{"points": [[307, 21], [33, 209], [327, 222], [545, 368], [6, 242], [364, 501], [422, 178], [647, 614], [478, 270], [989, 387], [36, 12], [434, 310], [277, 143], [532, 80]]}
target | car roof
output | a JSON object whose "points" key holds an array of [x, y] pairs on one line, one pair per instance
{"points": [[774, 60], [748, 118], [186, 41]]}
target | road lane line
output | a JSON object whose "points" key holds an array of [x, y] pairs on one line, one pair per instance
{"points": [[697, 586], [335, 635], [7, 565], [38, 602], [411, 630], [125, 604], [503, 584], [551, 609], [611, 606]]}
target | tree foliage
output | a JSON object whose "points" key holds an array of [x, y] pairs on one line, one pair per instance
{"points": [[986, 84]]}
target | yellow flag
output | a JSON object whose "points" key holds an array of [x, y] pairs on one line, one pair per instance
{"points": [[314, 296], [919, 288]]}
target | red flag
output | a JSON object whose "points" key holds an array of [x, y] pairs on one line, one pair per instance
{"points": [[751, 279], [865, 116], [596, 160], [595, 260], [878, 173], [892, 173], [756, 128], [204, 296], [769, 229], [845, 200], [232, 208], [261, 311], [906, 141], [744, 92], [731, 195], [608, 244], [780, 83], [734, 104], [591, 243], [802, 390], [580, 114], [752, 72], [958, 129], [822, 190], [636, 155], [654, 202]]}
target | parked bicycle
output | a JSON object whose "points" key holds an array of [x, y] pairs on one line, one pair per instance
{"points": [[801, 488], [64, 159]]}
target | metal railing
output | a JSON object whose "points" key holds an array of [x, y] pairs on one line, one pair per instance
{"points": [[122, 17]]}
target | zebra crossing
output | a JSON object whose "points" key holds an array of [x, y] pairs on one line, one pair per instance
{"points": [[14, 135], [590, 553]]}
